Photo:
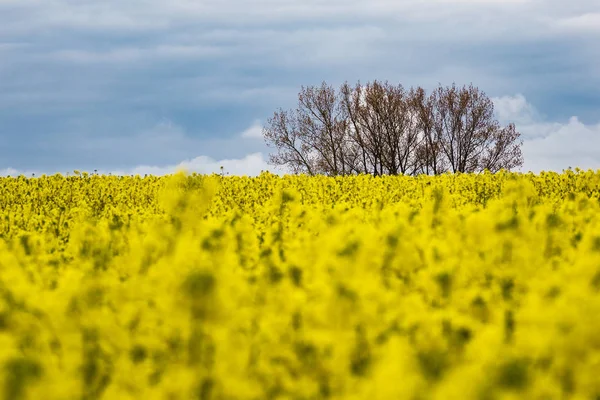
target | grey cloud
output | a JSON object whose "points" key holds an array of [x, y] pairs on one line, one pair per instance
{"points": [[87, 83], [165, 142], [159, 15], [157, 150]]}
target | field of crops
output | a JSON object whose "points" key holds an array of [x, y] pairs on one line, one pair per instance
{"points": [[211, 287]]}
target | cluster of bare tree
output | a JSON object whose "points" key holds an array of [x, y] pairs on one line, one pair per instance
{"points": [[383, 129]]}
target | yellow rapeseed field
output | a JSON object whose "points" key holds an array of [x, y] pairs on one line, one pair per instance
{"points": [[209, 287]]}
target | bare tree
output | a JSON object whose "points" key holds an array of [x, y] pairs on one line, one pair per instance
{"points": [[292, 144], [313, 138], [324, 123], [367, 144], [469, 136], [388, 126], [429, 155], [371, 130], [383, 129], [505, 151]]}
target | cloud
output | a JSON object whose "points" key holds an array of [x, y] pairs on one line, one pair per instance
{"points": [[137, 54], [156, 150], [550, 146], [514, 109], [254, 132], [12, 172], [250, 165], [87, 84], [587, 22], [572, 144]]}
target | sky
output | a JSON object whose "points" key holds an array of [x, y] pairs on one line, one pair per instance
{"points": [[149, 86]]}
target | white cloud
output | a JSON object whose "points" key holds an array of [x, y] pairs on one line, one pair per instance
{"points": [[10, 172], [572, 144], [250, 165], [514, 109], [550, 146], [587, 22], [254, 132]]}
